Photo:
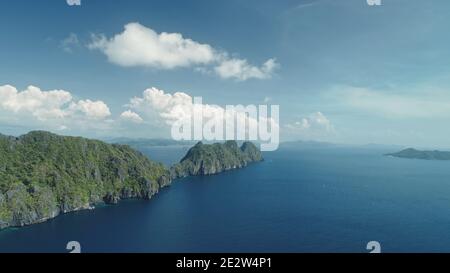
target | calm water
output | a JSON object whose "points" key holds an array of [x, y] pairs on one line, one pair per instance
{"points": [[321, 200]]}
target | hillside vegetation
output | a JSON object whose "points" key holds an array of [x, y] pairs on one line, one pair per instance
{"points": [[43, 175]]}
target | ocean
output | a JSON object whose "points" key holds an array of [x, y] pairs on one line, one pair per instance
{"points": [[333, 199]]}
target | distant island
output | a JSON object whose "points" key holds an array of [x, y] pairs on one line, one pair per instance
{"points": [[43, 175], [426, 155]]}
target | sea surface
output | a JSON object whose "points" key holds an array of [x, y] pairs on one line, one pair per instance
{"points": [[330, 199]]}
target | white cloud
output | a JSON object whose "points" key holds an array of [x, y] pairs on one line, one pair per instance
{"points": [[50, 109], [131, 116], [242, 70], [91, 109], [138, 45], [142, 46], [164, 109], [155, 111], [40, 104]]}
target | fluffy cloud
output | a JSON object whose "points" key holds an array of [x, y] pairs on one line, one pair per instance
{"points": [[155, 112], [142, 46], [242, 70], [164, 109], [138, 45], [55, 108], [91, 109], [40, 104], [160, 108], [131, 116]]}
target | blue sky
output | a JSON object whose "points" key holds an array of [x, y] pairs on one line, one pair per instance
{"points": [[343, 71]]}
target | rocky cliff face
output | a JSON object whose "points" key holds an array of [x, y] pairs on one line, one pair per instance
{"points": [[43, 175], [203, 159]]}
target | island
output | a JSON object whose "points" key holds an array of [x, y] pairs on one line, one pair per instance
{"points": [[209, 159], [426, 155], [43, 175]]}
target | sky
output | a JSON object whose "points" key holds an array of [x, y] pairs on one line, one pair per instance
{"points": [[341, 71]]}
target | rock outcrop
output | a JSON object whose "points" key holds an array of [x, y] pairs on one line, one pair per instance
{"points": [[209, 159]]}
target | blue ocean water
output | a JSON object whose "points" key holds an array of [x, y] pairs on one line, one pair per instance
{"points": [[304, 200]]}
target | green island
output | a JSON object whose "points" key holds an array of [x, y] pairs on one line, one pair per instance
{"points": [[209, 159], [426, 155], [43, 175]]}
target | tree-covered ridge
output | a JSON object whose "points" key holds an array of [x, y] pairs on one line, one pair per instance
{"points": [[43, 175], [208, 159]]}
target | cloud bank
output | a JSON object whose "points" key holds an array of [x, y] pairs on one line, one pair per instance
{"points": [[51, 109], [393, 104], [164, 109], [152, 114]]}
